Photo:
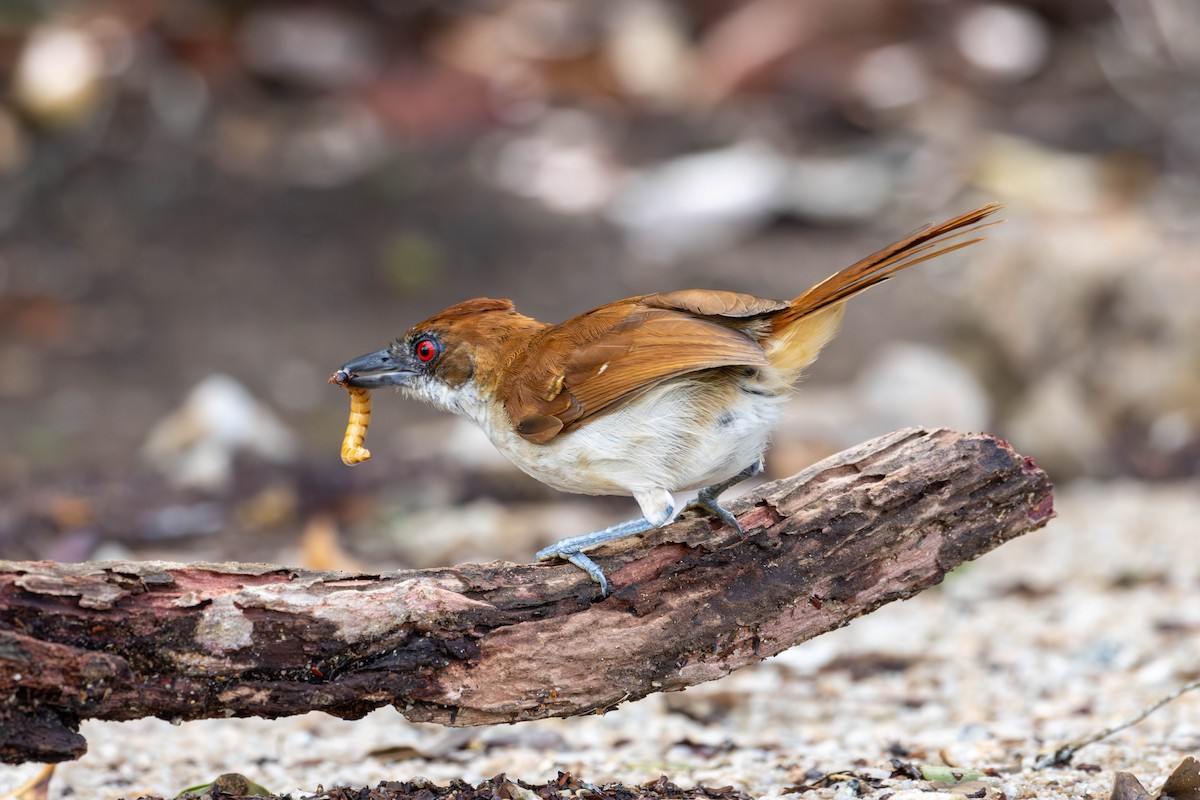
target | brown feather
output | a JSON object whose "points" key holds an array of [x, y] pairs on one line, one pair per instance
{"points": [[809, 323], [461, 326], [596, 362], [876, 268], [714, 303]]}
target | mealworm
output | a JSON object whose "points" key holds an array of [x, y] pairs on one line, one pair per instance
{"points": [[353, 451]]}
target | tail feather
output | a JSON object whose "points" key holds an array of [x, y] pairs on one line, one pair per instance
{"points": [[801, 330], [876, 268]]}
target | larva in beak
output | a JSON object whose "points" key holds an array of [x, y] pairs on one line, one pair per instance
{"points": [[353, 451]]}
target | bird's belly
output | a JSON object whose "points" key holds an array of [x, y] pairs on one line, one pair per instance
{"points": [[679, 436]]}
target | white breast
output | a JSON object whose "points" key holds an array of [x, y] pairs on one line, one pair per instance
{"points": [[679, 436]]}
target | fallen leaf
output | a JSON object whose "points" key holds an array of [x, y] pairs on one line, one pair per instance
{"points": [[1184, 781], [1127, 787], [231, 784], [442, 749], [933, 772]]}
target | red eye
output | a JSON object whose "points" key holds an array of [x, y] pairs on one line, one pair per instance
{"points": [[426, 350]]}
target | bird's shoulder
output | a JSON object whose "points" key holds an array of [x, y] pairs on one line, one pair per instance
{"points": [[593, 363], [715, 303]]}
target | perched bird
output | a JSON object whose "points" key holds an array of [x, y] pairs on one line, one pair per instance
{"points": [[646, 396]]}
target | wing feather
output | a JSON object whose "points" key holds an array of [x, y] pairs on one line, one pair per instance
{"points": [[638, 349], [715, 303]]}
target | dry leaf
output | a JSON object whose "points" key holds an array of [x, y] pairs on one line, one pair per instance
{"points": [[1184, 782], [1127, 787]]}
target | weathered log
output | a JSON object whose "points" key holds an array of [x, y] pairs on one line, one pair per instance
{"points": [[485, 643]]}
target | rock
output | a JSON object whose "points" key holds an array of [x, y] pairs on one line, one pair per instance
{"points": [[565, 163], [648, 50], [195, 445], [322, 48], [696, 202], [904, 384], [890, 77], [1057, 423], [58, 76], [852, 188], [908, 384], [1003, 41]]}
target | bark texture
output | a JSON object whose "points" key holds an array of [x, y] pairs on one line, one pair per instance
{"points": [[485, 643]]}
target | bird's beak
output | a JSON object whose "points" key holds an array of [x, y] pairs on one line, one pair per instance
{"points": [[378, 369]]}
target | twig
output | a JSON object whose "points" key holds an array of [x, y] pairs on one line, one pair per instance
{"points": [[1064, 754]]}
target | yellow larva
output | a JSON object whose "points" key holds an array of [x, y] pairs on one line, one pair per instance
{"points": [[353, 451]]}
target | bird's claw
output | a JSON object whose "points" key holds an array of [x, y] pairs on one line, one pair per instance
{"points": [[710, 505], [591, 568], [571, 549], [578, 559], [706, 498]]}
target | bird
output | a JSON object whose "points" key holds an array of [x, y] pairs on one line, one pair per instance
{"points": [[646, 397]]}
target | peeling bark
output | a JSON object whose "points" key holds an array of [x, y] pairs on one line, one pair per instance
{"points": [[486, 643]]}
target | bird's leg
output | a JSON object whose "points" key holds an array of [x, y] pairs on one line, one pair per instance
{"points": [[572, 548], [658, 507], [706, 498]]}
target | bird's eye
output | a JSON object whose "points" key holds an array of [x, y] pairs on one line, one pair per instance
{"points": [[426, 349]]}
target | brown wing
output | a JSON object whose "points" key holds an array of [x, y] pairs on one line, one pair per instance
{"points": [[715, 303], [596, 362]]}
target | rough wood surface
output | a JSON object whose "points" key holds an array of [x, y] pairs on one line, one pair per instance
{"points": [[485, 643]]}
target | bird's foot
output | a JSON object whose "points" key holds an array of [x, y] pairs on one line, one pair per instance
{"points": [[706, 498], [571, 548], [709, 504]]}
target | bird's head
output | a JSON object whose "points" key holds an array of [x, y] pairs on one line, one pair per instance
{"points": [[452, 359]]}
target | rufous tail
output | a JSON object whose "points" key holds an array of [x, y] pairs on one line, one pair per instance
{"points": [[800, 331]]}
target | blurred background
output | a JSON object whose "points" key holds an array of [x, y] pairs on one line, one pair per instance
{"points": [[206, 207]]}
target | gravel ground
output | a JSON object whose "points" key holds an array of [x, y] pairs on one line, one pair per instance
{"points": [[1072, 629]]}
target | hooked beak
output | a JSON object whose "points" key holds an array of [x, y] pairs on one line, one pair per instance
{"points": [[378, 369]]}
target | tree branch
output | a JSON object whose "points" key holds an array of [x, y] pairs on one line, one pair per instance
{"points": [[485, 643]]}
